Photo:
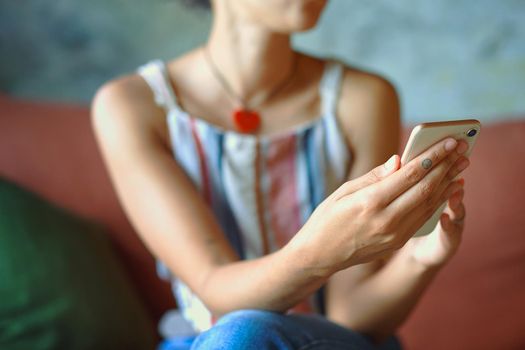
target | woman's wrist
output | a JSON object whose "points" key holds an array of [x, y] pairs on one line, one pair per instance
{"points": [[301, 257]]}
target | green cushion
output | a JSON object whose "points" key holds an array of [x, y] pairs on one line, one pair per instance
{"points": [[61, 285]]}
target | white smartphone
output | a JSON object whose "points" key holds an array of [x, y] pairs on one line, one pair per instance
{"points": [[425, 135]]}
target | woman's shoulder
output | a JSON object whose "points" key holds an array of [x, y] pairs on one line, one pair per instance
{"points": [[360, 89], [363, 82], [366, 86], [125, 104], [128, 91], [132, 90], [356, 82]]}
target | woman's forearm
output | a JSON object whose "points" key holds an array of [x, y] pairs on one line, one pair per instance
{"points": [[380, 303], [276, 282]]}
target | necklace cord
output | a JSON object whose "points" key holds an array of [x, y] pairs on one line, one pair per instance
{"points": [[230, 91]]}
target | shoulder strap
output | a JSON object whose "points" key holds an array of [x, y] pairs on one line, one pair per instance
{"points": [[155, 74], [330, 86]]}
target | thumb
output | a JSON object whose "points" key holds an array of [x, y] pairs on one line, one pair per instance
{"points": [[375, 175]]}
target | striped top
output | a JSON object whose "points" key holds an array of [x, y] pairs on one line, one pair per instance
{"points": [[262, 189]]}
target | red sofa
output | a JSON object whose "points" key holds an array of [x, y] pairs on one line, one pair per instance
{"points": [[476, 302]]}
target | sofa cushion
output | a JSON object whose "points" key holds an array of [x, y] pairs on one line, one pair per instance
{"points": [[61, 286]]}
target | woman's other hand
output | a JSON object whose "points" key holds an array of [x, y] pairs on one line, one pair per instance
{"points": [[436, 248]]}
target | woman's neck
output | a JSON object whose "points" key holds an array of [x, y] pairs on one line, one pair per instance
{"points": [[252, 59]]}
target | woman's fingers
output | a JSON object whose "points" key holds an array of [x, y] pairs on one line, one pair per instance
{"points": [[455, 209], [453, 218], [431, 189], [414, 219], [375, 175], [461, 164], [440, 156]]}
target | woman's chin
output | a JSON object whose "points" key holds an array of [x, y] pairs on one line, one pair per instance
{"points": [[305, 23], [309, 16], [305, 26]]}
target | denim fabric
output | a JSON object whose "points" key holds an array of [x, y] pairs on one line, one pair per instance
{"points": [[256, 329]]}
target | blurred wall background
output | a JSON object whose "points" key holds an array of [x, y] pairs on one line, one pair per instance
{"points": [[449, 58]]}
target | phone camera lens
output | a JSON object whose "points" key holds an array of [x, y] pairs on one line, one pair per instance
{"points": [[472, 132]]}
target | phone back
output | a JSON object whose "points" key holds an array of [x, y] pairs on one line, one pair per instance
{"points": [[425, 135]]}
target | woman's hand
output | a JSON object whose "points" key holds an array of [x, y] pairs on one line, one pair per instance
{"points": [[436, 248], [376, 214]]}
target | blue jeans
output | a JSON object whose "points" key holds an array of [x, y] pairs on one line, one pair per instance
{"points": [[256, 329]]}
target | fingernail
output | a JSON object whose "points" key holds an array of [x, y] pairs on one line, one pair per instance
{"points": [[462, 147], [390, 163], [450, 144], [462, 181]]}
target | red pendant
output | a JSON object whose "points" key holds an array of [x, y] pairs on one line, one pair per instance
{"points": [[246, 121]]}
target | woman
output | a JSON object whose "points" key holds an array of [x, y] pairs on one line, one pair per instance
{"points": [[246, 168]]}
